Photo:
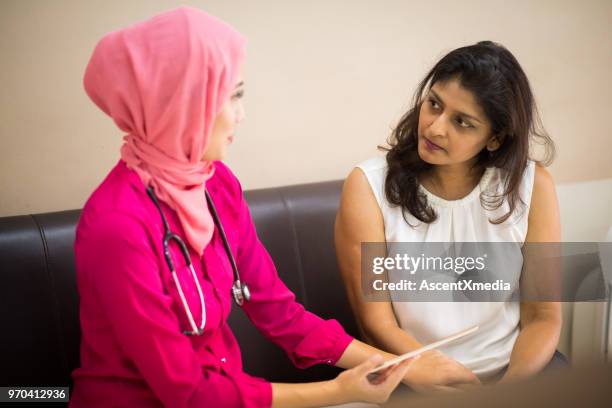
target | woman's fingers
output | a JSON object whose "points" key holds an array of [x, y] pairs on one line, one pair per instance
{"points": [[399, 371], [379, 376], [368, 365], [382, 375], [445, 388], [466, 387], [471, 378], [394, 374], [459, 374]]}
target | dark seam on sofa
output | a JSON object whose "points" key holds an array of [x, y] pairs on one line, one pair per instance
{"points": [[55, 300], [296, 248]]}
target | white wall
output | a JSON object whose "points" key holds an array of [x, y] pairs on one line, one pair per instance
{"points": [[325, 82]]}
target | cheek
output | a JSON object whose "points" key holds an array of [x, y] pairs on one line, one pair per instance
{"points": [[225, 120], [467, 146], [225, 117]]}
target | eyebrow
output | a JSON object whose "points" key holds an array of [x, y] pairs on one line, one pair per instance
{"points": [[239, 84], [461, 113]]}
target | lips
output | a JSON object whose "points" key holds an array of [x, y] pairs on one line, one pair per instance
{"points": [[430, 145]]}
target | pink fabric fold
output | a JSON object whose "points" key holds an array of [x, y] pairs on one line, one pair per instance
{"points": [[163, 81]]}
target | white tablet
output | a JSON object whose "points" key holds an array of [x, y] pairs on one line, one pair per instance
{"points": [[423, 349]]}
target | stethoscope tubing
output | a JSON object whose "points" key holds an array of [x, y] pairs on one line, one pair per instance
{"points": [[240, 291]]}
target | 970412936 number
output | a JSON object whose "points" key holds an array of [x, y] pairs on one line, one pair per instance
{"points": [[17, 394]]}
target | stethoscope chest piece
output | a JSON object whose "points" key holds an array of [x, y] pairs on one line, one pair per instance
{"points": [[241, 292]]}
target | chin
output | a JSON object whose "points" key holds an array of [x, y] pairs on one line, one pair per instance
{"points": [[219, 157], [428, 157], [211, 157]]}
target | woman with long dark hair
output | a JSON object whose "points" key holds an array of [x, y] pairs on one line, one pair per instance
{"points": [[458, 169]]}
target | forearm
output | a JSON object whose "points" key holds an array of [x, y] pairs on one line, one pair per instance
{"points": [[392, 338], [314, 394], [357, 352], [533, 349]]}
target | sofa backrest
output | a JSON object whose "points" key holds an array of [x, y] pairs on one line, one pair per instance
{"points": [[39, 299]]}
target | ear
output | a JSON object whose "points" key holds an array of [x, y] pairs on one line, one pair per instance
{"points": [[494, 143]]}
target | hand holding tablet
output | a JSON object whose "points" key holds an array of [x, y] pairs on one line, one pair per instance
{"points": [[421, 350]]}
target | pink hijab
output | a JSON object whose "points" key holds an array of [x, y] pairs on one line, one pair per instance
{"points": [[163, 81]]}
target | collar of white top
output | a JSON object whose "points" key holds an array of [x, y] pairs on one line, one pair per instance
{"points": [[475, 193]]}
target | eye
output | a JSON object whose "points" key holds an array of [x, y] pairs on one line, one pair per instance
{"points": [[238, 94], [433, 103], [464, 124]]}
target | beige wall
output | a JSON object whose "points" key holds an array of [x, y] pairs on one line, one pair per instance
{"points": [[325, 82]]}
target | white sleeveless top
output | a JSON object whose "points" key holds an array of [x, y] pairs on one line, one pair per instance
{"points": [[487, 351]]}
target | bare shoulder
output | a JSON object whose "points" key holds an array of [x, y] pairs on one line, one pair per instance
{"points": [[359, 213], [544, 216], [542, 178], [357, 193], [356, 183], [544, 193]]}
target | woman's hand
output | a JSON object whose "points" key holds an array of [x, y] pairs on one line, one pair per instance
{"points": [[435, 371], [354, 384]]}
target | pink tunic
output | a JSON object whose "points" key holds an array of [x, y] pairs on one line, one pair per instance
{"points": [[133, 352]]}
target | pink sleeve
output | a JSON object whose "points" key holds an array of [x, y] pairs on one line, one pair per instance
{"points": [[124, 273], [306, 338]]}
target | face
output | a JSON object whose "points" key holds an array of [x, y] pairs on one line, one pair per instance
{"points": [[222, 134], [453, 128]]}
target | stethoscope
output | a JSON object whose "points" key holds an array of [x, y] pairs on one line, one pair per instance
{"points": [[240, 291]]}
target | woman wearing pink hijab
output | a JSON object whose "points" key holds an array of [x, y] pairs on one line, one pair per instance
{"points": [[173, 85]]}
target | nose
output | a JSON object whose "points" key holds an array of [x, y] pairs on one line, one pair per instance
{"points": [[438, 127]]}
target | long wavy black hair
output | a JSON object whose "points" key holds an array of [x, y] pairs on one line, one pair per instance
{"points": [[497, 81]]}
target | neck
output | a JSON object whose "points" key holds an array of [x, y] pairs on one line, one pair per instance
{"points": [[452, 181]]}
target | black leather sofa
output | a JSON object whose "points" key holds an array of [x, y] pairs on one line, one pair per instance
{"points": [[39, 299]]}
